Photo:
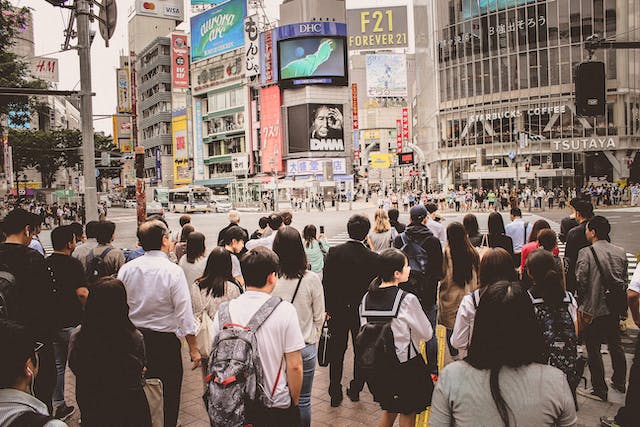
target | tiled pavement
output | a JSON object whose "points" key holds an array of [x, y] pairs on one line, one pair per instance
{"points": [[350, 414]]}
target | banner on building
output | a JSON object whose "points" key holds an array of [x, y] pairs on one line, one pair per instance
{"points": [[386, 76], [399, 136], [198, 136], [179, 61], [181, 172], [268, 73], [378, 28], [167, 9], [251, 46], [218, 30], [158, 164], [44, 68], [405, 126], [271, 129], [381, 160], [240, 164], [326, 127], [122, 133], [123, 90], [354, 106], [302, 167]]}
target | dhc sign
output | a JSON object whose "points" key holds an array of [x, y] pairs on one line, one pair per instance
{"points": [[311, 28]]}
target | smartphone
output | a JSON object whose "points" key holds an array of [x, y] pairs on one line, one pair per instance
{"points": [[322, 229]]}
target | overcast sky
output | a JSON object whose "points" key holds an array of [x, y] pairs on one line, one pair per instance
{"points": [[49, 25]]}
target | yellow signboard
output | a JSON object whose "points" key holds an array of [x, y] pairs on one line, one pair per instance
{"points": [[381, 161], [371, 134], [181, 172]]}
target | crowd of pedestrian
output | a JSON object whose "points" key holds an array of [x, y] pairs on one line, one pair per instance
{"points": [[250, 309]]}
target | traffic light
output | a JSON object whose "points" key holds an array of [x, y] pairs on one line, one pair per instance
{"points": [[139, 163], [591, 97]]}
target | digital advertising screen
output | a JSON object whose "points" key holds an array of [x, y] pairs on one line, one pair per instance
{"points": [[473, 8], [312, 60]]}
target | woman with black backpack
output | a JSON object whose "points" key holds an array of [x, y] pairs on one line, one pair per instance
{"points": [[399, 380], [556, 313]]}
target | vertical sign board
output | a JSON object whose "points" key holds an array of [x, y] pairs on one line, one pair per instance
{"points": [[198, 134], [399, 136], [268, 57], [158, 158], [271, 129], [8, 161], [356, 121], [179, 61], [181, 173], [123, 90], [251, 47], [405, 126], [122, 133]]}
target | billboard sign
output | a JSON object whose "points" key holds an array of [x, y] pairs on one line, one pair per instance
{"points": [[312, 60], [271, 129], [218, 30], [405, 125], [399, 136], [269, 62], [179, 61], [303, 167], [44, 68], [198, 134], [122, 133], [123, 90], [326, 127], [381, 160], [158, 164], [386, 76], [167, 9], [378, 28], [472, 8], [181, 172], [240, 164], [405, 159], [251, 47]]}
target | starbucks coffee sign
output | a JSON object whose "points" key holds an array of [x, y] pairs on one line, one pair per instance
{"points": [[585, 144]]}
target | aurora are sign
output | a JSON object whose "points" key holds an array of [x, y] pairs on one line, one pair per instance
{"points": [[218, 30]]}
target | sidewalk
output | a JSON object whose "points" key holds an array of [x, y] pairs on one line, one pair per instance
{"points": [[350, 414]]}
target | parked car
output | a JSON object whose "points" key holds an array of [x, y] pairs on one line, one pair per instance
{"points": [[130, 203], [154, 208], [221, 203]]}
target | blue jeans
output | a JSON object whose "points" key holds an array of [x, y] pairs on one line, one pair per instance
{"points": [[61, 348], [309, 355], [432, 344]]}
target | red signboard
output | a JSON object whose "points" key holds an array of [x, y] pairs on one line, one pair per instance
{"points": [[179, 61], [271, 129], [268, 58], [399, 136], [405, 125], [354, 106]]}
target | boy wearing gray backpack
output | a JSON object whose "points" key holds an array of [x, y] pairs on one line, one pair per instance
{"points": [[255, 365]]}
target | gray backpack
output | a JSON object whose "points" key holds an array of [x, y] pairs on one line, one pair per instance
{"points": [[235, 380]]}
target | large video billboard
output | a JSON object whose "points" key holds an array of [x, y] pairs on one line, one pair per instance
{"points": [[386, 76], [471, 8], [316, 127], [218, 30], [312, 57]]}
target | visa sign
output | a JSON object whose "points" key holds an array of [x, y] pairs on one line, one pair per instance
{"points": [[218, 30]]}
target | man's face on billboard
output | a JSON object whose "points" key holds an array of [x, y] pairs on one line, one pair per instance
{"points": [[321, 122]]}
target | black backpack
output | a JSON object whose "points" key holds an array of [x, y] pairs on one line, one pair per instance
{"points": [[31, 419], [375, 349], [96, 267], [7, 292]]}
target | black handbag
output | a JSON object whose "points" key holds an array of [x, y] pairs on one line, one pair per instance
{"points": [[324, 344], [614, 293]]}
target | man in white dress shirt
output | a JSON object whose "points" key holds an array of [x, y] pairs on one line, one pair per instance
{"points": [[275, 223], [434, 225], [160, 307], [519, 231]]}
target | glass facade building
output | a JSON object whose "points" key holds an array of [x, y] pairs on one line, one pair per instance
{"points": [[506, 92]]}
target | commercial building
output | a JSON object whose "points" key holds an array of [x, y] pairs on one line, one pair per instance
{"points": [[506, 93]]}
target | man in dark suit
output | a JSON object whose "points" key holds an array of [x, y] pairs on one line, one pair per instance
{"points": [[576, 240], [348, 271]]}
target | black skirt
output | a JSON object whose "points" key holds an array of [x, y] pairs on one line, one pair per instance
{"points": [[407, 389]]}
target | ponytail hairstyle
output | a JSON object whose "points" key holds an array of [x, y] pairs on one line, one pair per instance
{"points": [[391, 260], [542, 268]]}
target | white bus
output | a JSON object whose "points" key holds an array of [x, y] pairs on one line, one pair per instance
{"points": [[190, 199]]}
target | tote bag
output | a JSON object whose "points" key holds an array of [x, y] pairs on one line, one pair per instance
{"points": [[155, 396]]}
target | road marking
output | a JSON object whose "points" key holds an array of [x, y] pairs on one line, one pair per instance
{"points": [[634, 222]]}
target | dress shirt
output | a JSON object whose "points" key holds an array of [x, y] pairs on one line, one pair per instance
{"points": [[267, 242], [438, 230], [515, 230], [158, 295]]}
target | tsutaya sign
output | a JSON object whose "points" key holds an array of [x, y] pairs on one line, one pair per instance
{"points": [[585, 144]]}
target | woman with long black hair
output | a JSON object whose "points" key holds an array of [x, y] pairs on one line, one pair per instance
{"points": [[460, 265], [216, 285], [302, 288], [497, 237], [107, 356], [502, 381]]}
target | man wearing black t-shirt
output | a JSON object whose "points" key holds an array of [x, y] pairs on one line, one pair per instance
{"points": [[71, 293], [32, 299]]}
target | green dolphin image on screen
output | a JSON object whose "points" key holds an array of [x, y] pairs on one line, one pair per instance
{"points": [[308, 65]]}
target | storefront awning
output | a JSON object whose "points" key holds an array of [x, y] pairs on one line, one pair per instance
{"points": [[217, 160], [214, 182]]}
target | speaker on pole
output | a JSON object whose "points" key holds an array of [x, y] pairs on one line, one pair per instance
{"points": [[591, 98]]}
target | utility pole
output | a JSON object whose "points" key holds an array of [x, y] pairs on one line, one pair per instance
{"points": [[83, 12]]}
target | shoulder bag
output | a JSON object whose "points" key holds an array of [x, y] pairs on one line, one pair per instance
{"points": [[615, 295], [203, 336], [484, 246]]}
